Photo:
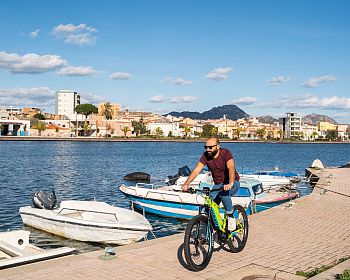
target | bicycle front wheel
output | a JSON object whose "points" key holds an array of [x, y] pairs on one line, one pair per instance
{"points": [[198, 243], [238, 238]]}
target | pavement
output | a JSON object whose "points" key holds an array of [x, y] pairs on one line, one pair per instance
{"points": [[303, 234]]}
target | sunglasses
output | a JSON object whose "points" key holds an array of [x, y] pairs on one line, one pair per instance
{"points": [[209, 147]]}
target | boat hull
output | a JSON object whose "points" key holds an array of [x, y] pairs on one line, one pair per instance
{"points": [[87, 231]]}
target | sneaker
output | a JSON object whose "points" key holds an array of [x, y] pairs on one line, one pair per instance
{"points": [[216, 241], [231, 223]]}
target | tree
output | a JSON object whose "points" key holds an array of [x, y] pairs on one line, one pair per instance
{"points": [[314, 134], [159, 132], [208, 130], [39, 116], [107, 110], [125, 130], [139, 127], [40, 126], [332, 135], [281, 133], [86, 110], [261, 133], [237, 132], [187, 130], [86, 127]]}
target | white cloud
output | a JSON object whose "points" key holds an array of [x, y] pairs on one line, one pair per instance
{"points": [[120, 76], [315, 81], [76, 34], [77, 71], [276, 81], [30, 63], [183, 99], [308, 101], [177, 81], [174, 99], [158, 99], [219, 74], [244, 101], [34, 34], [40, 97], [91, 98]]}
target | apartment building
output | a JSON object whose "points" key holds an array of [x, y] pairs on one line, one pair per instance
{"points": [[291, 125], [66, 101]]}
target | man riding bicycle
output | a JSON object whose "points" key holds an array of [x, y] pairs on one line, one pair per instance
{"points": [[221, 164]]}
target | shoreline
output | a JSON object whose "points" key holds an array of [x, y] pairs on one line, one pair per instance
{"points": [[90, 139]]}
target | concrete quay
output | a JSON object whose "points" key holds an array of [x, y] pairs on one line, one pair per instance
{"points": [[301, 235]]}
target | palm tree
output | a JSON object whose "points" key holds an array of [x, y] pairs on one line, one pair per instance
{"points": [[159, 132], [314, 134], [187, 130], [125, 130], [107, 110], [40, 126], [238, 131], [281, 133], [261, 133]]}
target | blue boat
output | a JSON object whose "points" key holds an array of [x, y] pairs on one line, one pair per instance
{"points": [[169, 201]]}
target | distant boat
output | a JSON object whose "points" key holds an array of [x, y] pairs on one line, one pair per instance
{"points": [[169, 201], [90, 221], [16, 250]]}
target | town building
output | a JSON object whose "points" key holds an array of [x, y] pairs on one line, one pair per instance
{"points": [[66, 101], [291, 125]]}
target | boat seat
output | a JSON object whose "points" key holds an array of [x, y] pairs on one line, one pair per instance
{"points": [[12, 250]]}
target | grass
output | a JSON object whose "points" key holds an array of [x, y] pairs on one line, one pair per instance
{"points": [[318, 270]]}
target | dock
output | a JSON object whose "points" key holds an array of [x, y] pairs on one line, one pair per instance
{"points": [[301, 235]]}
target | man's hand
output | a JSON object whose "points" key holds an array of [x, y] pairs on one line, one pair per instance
{"points": [[185, 187], [228, 187]]}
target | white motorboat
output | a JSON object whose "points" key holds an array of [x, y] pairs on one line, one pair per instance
{"points": [[15, 250], [89, 221]]}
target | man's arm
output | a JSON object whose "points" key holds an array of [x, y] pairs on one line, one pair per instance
{"points": [[231, 171], [192, 176]]}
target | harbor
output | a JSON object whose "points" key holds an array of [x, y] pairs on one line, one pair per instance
{"points": [[299, 236]]}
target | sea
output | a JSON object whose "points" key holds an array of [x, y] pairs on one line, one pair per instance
{"points": [[95, 170]]}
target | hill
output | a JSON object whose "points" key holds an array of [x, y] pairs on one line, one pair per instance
{"points": [[267, 119], [231, 112], [315, 118]]}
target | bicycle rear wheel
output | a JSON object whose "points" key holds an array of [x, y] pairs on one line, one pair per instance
{"points": [[238, 238], [198, 243]]}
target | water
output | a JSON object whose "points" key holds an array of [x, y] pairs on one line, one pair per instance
{"points": [[88, 170]]}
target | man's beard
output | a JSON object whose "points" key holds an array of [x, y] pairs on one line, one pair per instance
{"points": [[212, 154]]}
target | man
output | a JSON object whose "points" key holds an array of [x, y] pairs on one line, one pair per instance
{"points": [[221, 164]]}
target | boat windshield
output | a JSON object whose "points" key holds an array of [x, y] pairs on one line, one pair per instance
{"points": [[258, 189], [242, 192]]}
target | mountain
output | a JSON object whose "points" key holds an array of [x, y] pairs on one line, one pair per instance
{"points": [[315, 118], [267, 119], [231, 112]]}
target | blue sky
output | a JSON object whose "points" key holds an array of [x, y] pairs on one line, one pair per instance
{"points": [[267, 57]]}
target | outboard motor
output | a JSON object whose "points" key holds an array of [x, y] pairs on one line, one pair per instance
{"points": [[44, 200]]}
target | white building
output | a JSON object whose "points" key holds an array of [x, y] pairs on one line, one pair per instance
{"points": [[66, 101], [291, 125], [174, 128]]}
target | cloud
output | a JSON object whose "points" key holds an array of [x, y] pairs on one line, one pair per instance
{"points": [[34, 34], [120, 76], [183, 99], [91, 98], [75, 34], [40, 97], [175, 99], [30, 63], [177, 81], [308, 101], [315, 81], [244, 101], [158, 99], [276, 81], [77, 71], [219, 74]]}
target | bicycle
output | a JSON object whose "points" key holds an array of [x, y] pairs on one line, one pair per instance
{"points": [[199, 233]]}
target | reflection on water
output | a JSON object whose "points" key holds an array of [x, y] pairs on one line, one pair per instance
{"points": [[84, 171]]}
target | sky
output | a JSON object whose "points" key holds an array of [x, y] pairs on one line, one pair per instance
{"points": [[267, 57]]}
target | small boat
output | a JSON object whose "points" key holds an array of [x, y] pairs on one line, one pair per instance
{"points": [[89, 221], [16, 250], [169, 201]]}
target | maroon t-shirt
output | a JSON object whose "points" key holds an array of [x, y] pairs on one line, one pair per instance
{"points": [[218, 166]]}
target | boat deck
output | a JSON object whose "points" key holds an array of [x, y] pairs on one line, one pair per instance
{"points": [[307, 233]]}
